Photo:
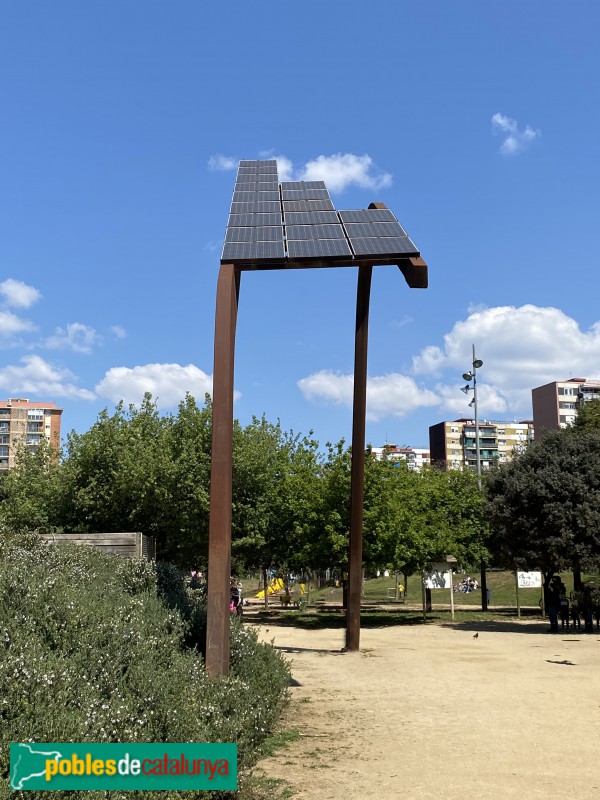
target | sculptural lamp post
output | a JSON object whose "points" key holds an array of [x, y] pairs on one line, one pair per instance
{"points": [[291, 225]]}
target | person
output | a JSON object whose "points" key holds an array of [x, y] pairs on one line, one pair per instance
{"points": [[555, 593], [235, 597]]}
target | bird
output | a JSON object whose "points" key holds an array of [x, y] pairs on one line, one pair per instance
{"points": [[475, 635]]}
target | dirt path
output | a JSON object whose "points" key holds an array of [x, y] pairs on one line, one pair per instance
{"points": [[432, 712]]}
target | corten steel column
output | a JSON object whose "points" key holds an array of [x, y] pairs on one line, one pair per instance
{"points": [[219, 537], [357, 477]]}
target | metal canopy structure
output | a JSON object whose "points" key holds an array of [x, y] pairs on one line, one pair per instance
{"points": [[291, 225]]}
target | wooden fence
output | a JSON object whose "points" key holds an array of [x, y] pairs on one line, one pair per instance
{"points": [[128, 544]]}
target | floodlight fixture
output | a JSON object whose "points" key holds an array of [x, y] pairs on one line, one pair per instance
{"points": [[478, 363], [466, 388], [467, 376]]}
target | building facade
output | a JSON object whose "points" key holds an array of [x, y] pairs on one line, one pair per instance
{"points": [[452, 444], [26, 421], [555, 404], [415, 457]]}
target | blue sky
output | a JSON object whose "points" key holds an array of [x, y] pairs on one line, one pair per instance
{"points": [[476, 123]]}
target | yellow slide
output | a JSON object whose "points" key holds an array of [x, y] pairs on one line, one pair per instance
{"points": [[276, 585]]}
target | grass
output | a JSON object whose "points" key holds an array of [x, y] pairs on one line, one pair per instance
{"points": [[502, 585], [379, 609]]}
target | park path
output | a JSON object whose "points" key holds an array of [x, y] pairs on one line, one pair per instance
{"points": [[429, 711]]}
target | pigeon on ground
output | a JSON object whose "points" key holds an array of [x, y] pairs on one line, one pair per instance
{"points": [[475, 635]]}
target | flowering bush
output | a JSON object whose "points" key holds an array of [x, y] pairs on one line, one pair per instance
{"points": [[95, 648]]}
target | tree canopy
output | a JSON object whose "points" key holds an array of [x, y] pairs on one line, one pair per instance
{"points": [[545, 505], [137, 470]]}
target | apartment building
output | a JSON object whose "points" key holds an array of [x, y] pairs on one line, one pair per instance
{"points": [[416, 457], [26, 421], [452, 444], [555, 404]]}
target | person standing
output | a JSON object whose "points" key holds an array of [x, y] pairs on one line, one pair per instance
{"points": [[555, 592]]}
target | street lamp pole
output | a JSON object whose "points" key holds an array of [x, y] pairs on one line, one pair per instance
{"points": [[472, 376], [477, 452]]}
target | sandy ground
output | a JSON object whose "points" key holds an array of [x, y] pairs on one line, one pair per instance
{"points": [[429, 711]]}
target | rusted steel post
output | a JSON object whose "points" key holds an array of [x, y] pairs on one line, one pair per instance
{"points": [[219, 536], [357, 477]]}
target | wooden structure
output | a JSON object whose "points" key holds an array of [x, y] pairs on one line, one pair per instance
{"points": [[128, 544]]}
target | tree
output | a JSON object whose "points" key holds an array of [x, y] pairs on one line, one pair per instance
{"points": [[274, 486], [544, 506], [116, 474], [31, 490], [588, 417], [188, 441], [435, 513]]}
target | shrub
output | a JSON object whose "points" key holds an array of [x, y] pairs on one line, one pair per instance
{"points": [[93, 648]]}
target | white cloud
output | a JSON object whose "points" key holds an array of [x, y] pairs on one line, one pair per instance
{"points": [[515, 140], [10, 324], [220, 163], [76, 336], [18, 294], [168, 383], [339, 171], [39, 378], [118, 332], [391, 395], [521, 348], [345, 169], [489, 400]]}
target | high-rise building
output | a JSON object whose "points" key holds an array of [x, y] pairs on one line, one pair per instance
{"points": [[415, 457], [555, 404], [452, 443], [26, 421]]}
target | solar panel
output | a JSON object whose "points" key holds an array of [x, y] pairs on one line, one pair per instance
{"points": [[318, 248], [270, 234], [268, 219], [368, 215], [243, 208], [253, 220], [310, 217], [320, 205], [239, 234], [253, 251], [386, 246], [315, 232], [243, 196], [308, 205], [303, 185], [268, 207], [374, 229], [296, 220], [292, 194]]}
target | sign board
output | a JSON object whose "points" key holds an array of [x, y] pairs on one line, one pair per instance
{"points": [[529, 580], [437, 576]]}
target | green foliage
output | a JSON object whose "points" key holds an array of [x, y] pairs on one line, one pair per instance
{"points": [[545, 505], [275, 491], [588, 417], [135, 470], [423, 516], [31, 489], [91, 652]]}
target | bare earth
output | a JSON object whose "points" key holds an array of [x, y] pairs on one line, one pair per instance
{"points": [[429, 711]]}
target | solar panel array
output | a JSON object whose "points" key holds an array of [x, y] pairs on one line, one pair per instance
{"points": [[296, 221]]}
